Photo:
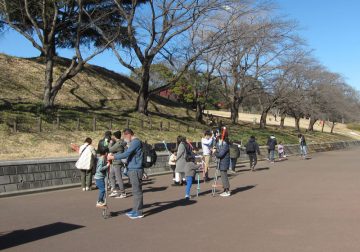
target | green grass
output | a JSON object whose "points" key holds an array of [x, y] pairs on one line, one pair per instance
{"points": [[106, 95], [354, 126]]}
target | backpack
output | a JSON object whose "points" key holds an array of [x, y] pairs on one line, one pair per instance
{"points": [[189, 154], [234, 151], [250, 147], [149, 155]]}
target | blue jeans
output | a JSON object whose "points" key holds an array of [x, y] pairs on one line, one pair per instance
{"points": [[303, 150], [100, 183], [189, 181], [272, 155]]}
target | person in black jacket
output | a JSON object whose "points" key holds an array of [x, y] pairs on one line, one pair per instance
{"points": [[271, 147], [103, 144], [252, 149]]}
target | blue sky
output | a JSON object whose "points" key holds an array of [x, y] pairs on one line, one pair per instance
{"points": [[331, 28]]}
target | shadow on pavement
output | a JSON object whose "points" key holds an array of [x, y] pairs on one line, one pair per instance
{"points": [[155, 189], [163, 206], [242, 189], [262, 169], [19, 237]]}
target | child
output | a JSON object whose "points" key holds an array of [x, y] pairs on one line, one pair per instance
{"points": [[190, 170], [101, 172], [281, 151], [172, 162], [252, 148]]}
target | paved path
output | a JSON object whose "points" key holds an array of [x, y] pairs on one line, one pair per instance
{"points": [[291, 206]]}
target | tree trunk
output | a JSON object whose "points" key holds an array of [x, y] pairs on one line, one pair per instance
{"points": [[199, 112], [332, 127], [322, 127], [312, 122], [143, 97], [282, 121], [297, 124], [235, 112], [263, 119], [48, 102]]}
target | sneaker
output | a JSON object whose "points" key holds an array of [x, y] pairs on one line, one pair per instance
{"points": [[136, 215], [225, 194], [88, 189], [84, 189], [187, 197], [100, 204], [128, 214], [232, 171], [113, 194], [121, 196]]}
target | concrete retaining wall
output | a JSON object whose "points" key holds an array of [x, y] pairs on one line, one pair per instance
{"points": [[38, 175]]}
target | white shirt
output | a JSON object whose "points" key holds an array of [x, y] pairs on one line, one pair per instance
{"points": [[206, 146]]}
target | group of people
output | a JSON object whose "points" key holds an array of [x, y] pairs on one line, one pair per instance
{"points": [[117, 154], [121, 154]]}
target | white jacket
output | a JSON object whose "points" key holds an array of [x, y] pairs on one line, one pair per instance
{"points": [[206, 145], [87, 157]]}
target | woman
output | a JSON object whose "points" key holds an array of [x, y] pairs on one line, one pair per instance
{"points": [[85, 163], [180, 160], [222, 153]]}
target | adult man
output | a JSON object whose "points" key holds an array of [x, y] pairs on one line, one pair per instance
{"points": [[117, 186], [206, 144], [134, 155]]}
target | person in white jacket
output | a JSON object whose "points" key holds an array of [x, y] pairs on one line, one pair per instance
{"points": [[85, 163], [206, 144]]}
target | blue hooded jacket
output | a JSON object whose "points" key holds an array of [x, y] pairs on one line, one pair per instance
{"points": [[134, 155]]}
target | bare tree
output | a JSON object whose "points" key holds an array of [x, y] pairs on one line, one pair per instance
{"points": [[153, 31], [41, 23]]}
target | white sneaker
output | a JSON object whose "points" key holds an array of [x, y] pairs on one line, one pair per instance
{"points": [[100, 204], [121, 196], [113, 194], [225, 194], [88, 189], [84, 189]]}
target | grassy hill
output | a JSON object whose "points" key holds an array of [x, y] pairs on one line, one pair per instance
{"points": [[94, 92]]}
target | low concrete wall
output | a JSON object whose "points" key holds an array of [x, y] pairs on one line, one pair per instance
{"points": [[28, 176]]}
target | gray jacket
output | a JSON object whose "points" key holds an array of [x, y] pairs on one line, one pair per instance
{"points": [[180, 158], [190, 169], [115, 148]]}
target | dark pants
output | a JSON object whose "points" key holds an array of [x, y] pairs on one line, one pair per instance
{"points": [[225, 180], [253, 159], [100, 183], [172, 167], [135, 177], [86, 177], [233, 163]]}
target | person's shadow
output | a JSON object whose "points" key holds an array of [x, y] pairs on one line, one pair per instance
{"points": [[158, 207], [242, 189]]}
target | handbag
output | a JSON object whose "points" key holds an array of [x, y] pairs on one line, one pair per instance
{"points": [[77, 164]]}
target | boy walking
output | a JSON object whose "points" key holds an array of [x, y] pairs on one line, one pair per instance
{"points": [[252, 149]]}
